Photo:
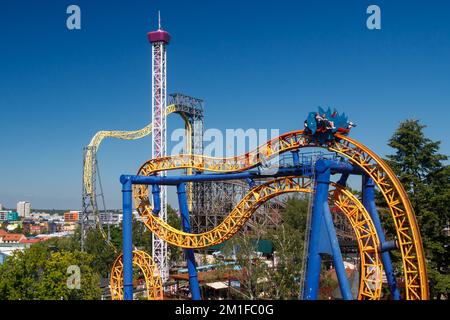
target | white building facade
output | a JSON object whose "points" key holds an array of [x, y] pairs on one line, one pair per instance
{"points": [[23, 209]]}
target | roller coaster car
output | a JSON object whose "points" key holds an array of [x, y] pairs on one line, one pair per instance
{"points": [[321, 126]]}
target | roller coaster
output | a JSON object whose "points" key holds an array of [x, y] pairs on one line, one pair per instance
{"points": [[189, 109], [352, 158], [266, 179]]}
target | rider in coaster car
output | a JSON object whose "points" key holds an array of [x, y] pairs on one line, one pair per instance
{"points": [[323, 124], [350, 125], [320, 120], [306, 129], [329, 124]]}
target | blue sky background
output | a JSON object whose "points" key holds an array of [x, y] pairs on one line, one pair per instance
{"points": [[257, 64]]}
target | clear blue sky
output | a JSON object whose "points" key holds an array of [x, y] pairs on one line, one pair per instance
{"points": [[257, 64]]}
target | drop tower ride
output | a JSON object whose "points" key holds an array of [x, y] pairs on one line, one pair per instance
{"points": [[159, 40]]}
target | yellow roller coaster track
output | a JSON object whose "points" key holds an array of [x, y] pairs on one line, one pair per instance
{"points": [[414, 269], [94, 145], [368, 242], [95, 142], [144, 261], [367, 238]]}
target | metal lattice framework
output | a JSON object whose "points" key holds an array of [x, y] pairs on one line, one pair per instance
{"points": [[144, 261], [89, 190], [401, 211], [227, 228], [191, 110], [159, 142], [213, 201], [89, 193]]}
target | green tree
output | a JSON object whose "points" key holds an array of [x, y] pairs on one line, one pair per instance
{"points": [[40, 272], [254, 271], [328, 286], [174, 220], [295, 212], [288, 240], [103, 254], [286, 274], [421, 170], [142, 237], [282, 281]]}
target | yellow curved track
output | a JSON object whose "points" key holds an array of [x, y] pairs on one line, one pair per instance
{"points": [[367, 238], [409, 240], [144, 261], [230, 225], [94, 145], [95, 142], [368, 242]]}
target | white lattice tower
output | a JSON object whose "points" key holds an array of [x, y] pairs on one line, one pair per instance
{"points": [[159, 40]]}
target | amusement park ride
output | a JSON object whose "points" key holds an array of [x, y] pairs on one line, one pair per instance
{"points": [[323, 129]]}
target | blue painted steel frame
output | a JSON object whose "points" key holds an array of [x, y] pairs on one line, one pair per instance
{"points": [[127, 246], [189, 253], [312, 277], [321, 211], [369, 204], [344, 284], [334, 166], [323, 169]]}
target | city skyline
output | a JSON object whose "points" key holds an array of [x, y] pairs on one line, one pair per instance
{"points": [[58, 87]]}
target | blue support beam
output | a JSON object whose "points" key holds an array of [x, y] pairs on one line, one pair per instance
{"points": [[344, 284], [295, 158], [312, 277], [388, 245], [343, 180], [324, 242], [156, 199], [321, 215], [369, 203], [251, 182], [127, 246], [333, 165], [189, 253]]}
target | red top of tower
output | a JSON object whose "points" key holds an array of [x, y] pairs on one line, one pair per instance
{"points": [[158, 35]]}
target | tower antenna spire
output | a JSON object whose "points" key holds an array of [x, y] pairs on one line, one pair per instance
{"points": [[159, 20]]}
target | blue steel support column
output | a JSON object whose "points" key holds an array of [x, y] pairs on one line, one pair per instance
{"points": [[312, 277], [189, 253], [295, 158], [369, 204], [343, 180], [127, 247], [344, 284], [156, 199]]}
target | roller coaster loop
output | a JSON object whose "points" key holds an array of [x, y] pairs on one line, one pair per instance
{"points": [[144, 261]]}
